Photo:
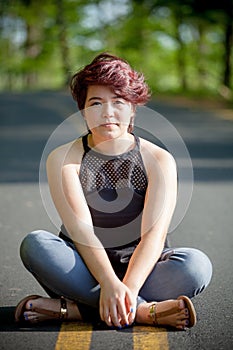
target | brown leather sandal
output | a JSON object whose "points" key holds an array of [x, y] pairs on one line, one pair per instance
{"points": [[20, 309], [155, 316]]}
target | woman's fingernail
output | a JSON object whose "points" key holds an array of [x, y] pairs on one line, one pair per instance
{"points": [[187, 322], [26, 317], [132, 310], [30, 305]]}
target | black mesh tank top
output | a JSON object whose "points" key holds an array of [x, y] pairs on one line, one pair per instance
{"points": [[115, 188]]}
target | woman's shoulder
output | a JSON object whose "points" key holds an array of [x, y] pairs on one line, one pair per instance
{"points": [[152, 154], [70, 152], [148, 146]]}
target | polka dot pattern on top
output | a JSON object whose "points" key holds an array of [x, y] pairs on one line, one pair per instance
{"points": [[100, 171]]}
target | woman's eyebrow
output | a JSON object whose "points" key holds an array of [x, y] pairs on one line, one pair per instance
{"points": [[100, 98], [94, 98]]}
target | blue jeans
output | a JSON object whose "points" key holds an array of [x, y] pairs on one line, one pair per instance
{"points": [[61, 271]]}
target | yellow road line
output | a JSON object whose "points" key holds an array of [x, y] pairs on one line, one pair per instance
{"points": [[77, 336], [148, 338], [74, 336]]}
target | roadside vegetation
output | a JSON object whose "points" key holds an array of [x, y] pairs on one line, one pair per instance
{"points": [[184, 47]]}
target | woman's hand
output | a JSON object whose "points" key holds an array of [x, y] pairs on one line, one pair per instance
{"points": [[117, 304]]}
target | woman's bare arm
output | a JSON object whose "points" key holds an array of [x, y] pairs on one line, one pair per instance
{"points": [[62, 170], [159, 206]]}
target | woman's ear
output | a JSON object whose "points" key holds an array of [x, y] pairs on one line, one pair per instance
{"points": [[133, 109], [131, 124]]}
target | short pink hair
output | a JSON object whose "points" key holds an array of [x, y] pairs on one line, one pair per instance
{"points": [[110, 71]]}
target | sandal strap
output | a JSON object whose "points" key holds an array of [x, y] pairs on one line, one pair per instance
{"points": [[62, 314], [156, 315], [63, 310], [153, 315], [167, 312]]}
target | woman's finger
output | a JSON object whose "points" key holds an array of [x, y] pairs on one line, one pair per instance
{"points": [[115, 316], [104, 314], [132, 315], [131, 308], [101, 312], [122, 312], [107, 316]]}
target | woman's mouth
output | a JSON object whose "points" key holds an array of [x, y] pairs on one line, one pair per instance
{"points": [[108, 125]]}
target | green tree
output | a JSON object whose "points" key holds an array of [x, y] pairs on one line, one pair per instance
{"points": [[220, 12], [182, 44]]}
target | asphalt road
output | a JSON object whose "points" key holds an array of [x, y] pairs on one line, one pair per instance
{"points": [[26, 121]]}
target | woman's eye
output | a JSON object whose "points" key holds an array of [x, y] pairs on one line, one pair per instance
{"points": [[96, 103], [119, 102]]}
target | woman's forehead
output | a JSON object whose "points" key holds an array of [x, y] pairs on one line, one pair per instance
{"points": [[100, 91]]}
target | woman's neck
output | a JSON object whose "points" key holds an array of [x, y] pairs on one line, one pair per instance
{"points": [[114, 146]]}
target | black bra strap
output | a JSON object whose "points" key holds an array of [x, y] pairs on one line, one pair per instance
{"points": [[137, 141]]}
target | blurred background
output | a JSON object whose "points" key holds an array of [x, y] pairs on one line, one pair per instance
{"points": [[182, 46], [185, 50]]}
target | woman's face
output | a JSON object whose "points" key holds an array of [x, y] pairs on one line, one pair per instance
{"points": [[107, 115]]}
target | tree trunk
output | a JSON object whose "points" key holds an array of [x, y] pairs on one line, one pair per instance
{"points": [[32, 50], [227, 52], [62, 36], [201, 72], [181, 62]]}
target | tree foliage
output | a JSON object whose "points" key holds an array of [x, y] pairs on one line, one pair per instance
{"points": [[180, 45]]}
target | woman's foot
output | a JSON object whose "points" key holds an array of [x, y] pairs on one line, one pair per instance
{"points": [[39, 309], [172, 313]]}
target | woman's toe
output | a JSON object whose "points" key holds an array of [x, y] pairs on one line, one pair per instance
{"points": [[25, 315], [181, 327], [182, 324], [181, 304], [183, 315]]}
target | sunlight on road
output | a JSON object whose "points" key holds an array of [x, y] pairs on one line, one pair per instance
{"points": [[78, 335]]}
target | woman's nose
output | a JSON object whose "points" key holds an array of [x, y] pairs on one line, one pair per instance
{"points": [[108, 110]]}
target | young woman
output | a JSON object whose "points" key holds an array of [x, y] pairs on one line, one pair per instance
{"points": [[116, 194]]}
